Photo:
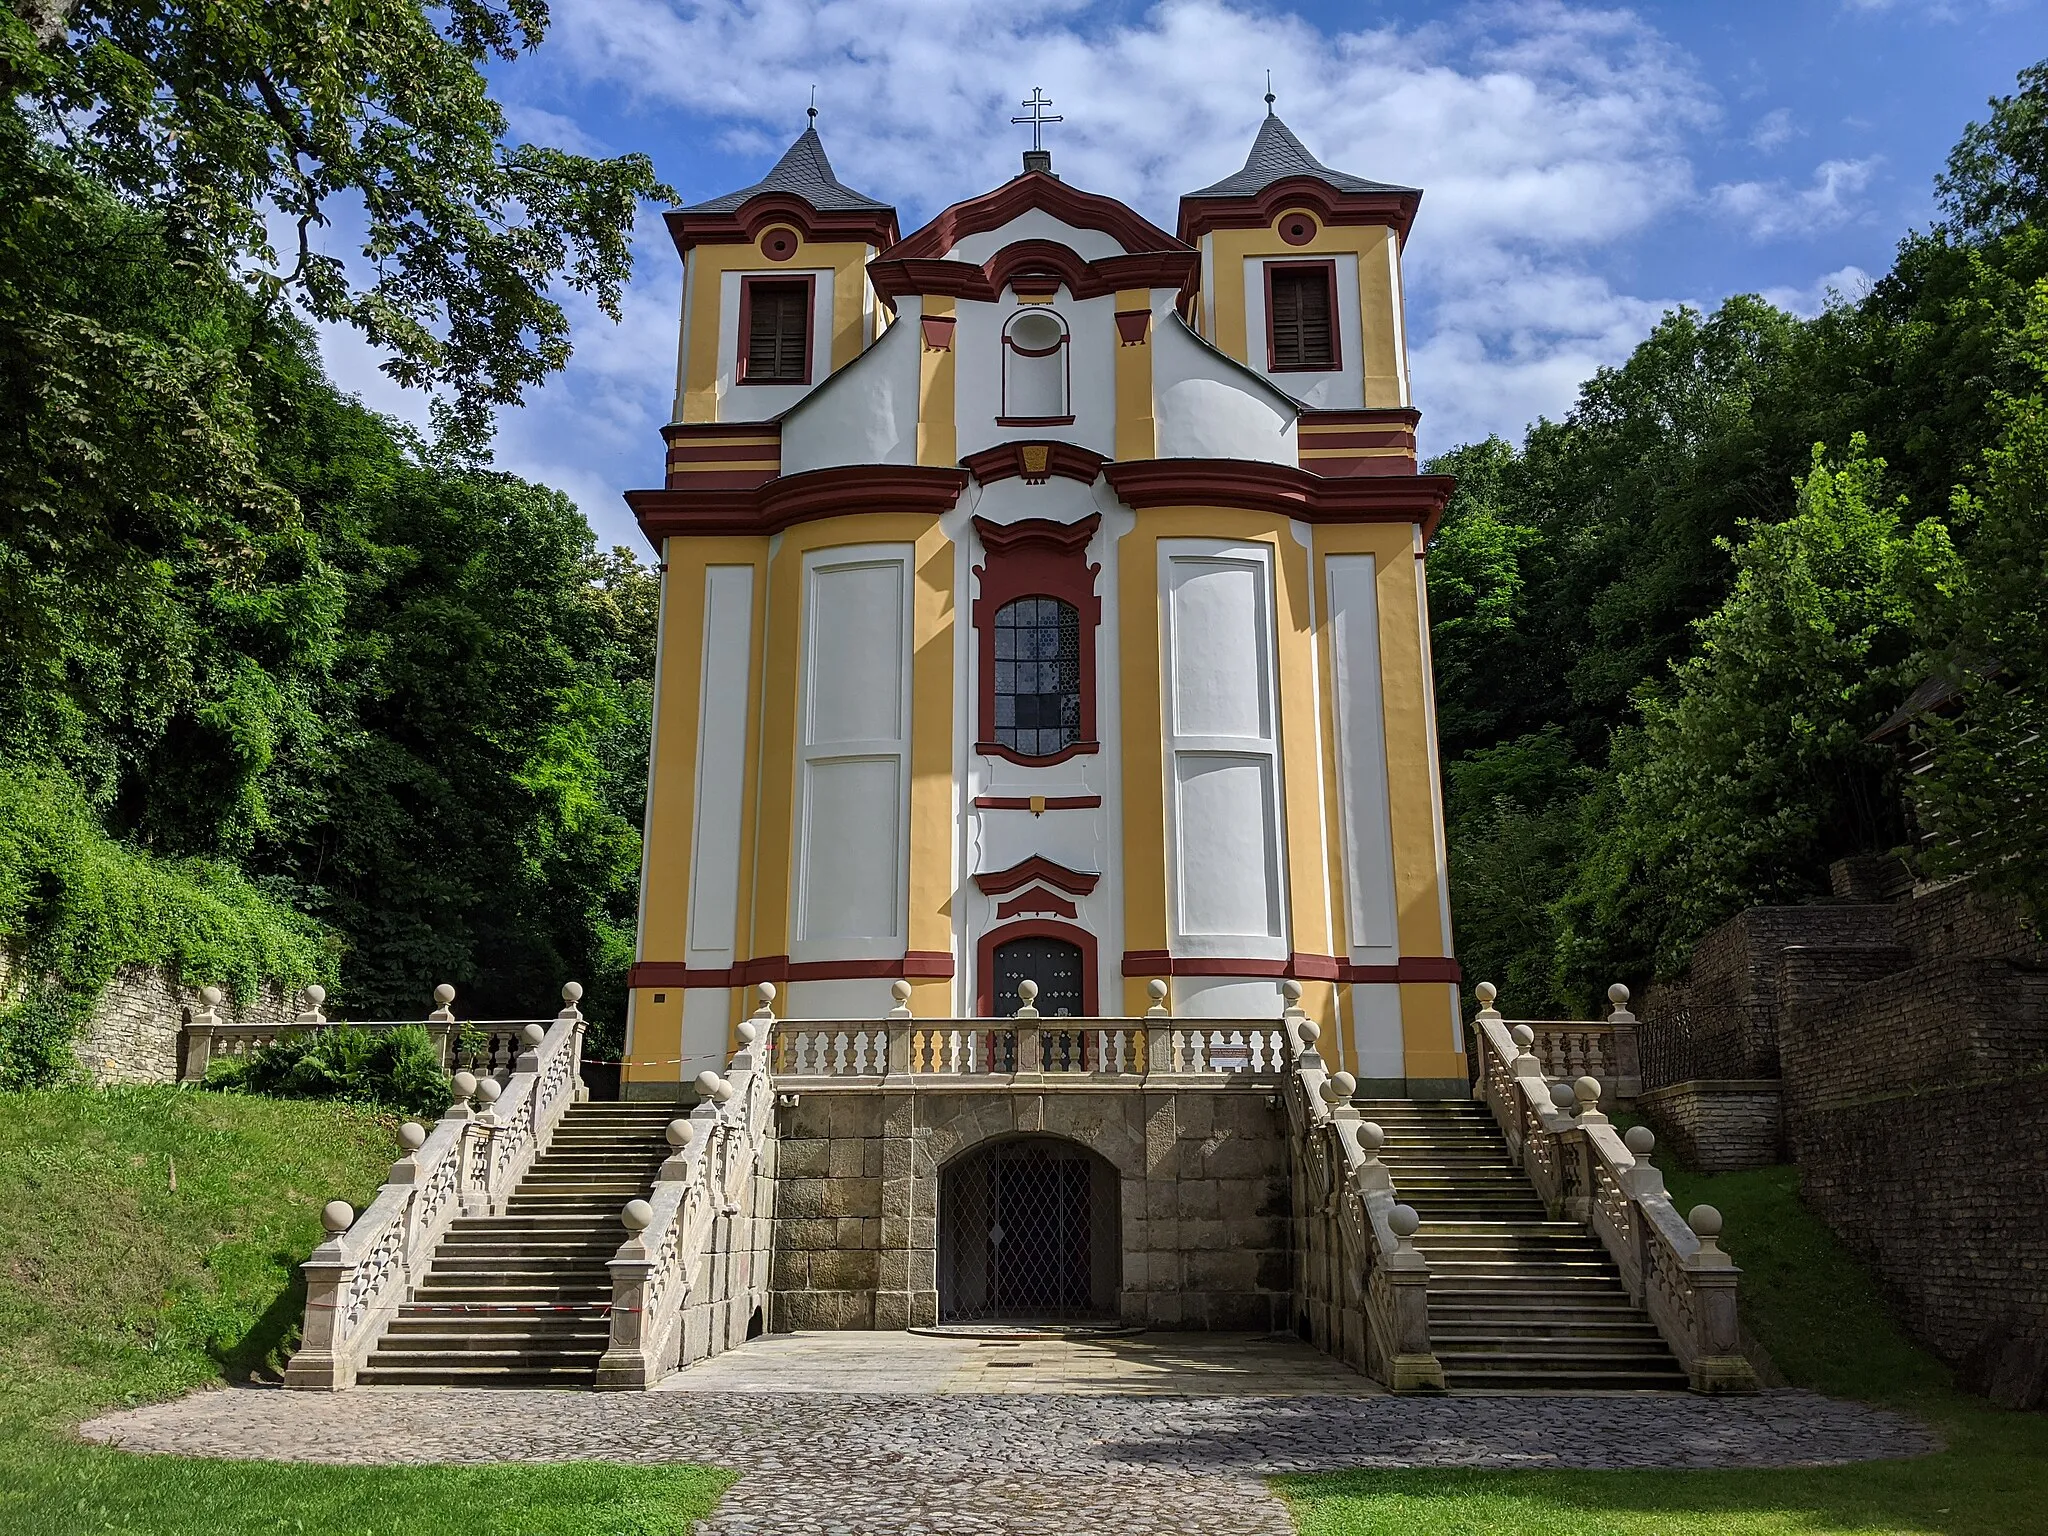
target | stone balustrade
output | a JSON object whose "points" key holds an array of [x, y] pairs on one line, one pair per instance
{"points": [[1607, 1050], [1027, 1045], [492, 1045], [468, 1165], [688, 1278], [1364, 1286], [1673, 1267]]}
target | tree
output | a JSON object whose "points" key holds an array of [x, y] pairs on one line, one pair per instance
{"points": [[217, 116]]}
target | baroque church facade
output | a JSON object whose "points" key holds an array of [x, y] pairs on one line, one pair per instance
{"points": [[1043, 599]]}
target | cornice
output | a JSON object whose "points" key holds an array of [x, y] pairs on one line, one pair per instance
{"points": [[1200, 215], [743, 226], [1001, 882], [1020, 194], [1278, 488], [894, 276], [791, 499], [1035, 460]]}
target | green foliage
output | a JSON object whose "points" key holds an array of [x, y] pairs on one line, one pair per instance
{"points": [[78, 906], [222, 116], [119, 1287], [1750, 770], [385, 1068], [1984, 792]]}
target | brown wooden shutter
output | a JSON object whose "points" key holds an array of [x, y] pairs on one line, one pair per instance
{"points": [[1301, 319], [778, 332]]}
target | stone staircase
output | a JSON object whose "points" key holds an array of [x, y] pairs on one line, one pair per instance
{"points": [[1517, 1302], [524, 1299]]}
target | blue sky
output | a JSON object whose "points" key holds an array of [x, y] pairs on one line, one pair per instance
{"points": [[1585, 168]]}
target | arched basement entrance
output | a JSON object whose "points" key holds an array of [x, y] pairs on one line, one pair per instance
{"points": [[1029, 1231]]}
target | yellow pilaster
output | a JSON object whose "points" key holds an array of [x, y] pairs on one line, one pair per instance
{"points": [[1379, 305], [933, 811], [1136, 437], [937, 441]]}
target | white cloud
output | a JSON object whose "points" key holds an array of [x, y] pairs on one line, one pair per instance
{"points": [[1850, 283], [1772, 210], [1772, 129], [537, 125]]}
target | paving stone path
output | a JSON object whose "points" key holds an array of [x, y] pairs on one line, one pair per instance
{"points": [[1052, 1463]]}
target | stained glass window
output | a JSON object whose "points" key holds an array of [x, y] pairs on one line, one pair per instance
{"points": [[1038, 676]]}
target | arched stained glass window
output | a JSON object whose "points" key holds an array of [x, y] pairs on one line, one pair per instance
{"points": [[1038, 676]]}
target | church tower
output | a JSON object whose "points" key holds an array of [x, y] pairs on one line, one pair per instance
{"points": [[1043, 599]]}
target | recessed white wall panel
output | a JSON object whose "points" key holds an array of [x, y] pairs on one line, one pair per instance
{"points": [[1226, 859], [852, 853], [721, 763], [1226, 997], [1228, 868], [1376, 1046], [1362, 758]]}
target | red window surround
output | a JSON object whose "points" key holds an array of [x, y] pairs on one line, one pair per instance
{"points": [[809, 282], [1328, 272], [1035, 928], [1036, 558]]}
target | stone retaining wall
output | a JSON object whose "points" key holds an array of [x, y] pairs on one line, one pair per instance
{"points": [[1717, 1125], [1201, 1180]]}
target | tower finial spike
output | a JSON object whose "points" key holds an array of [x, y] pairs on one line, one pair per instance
{"points": [[1269, 93], [812, 110]]}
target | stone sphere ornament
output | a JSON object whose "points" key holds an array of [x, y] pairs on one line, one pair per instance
{"points": [[1311, 1032], [723, 1093], [1291, 990], [1156, 990], [572, 993], [1403, 1221], [444, 994], [490, 1090], [1561, 1096], [1486, 992], [316, 994], [1641, 1141], [533, 1034], [1618, 995], [412, 1135], [707, 1083], [1371, 1135], [1704, 1220], [337, 1216], [465, 1085], [1523, 1036], [681, 1133], [211, 996], [1345, 1085], [748, 1031], [638, 1216], [900, 990], [1587, 1091]]}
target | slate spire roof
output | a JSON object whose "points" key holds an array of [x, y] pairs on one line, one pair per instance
{"points": [[803, 171], [1276, 155]]}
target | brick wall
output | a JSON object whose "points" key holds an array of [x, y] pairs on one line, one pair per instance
{"points": [[1717, 1125]]}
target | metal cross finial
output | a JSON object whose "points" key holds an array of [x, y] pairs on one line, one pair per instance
{"points": [[1038, 103]]}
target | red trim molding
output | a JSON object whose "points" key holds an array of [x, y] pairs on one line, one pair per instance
{"points": [[780, 968], [809, 282], [1070, 205], [1033, 928], [790, 499], [1293, 493], [1133, 326], [1035, 461], [1047, 802], [1036, 557], [1037, 899], [1001, 882], [1200, 215], [938, 332], [1033, 269], [746, 223], [1301, 967]]}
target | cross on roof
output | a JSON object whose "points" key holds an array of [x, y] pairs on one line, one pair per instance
{"points": [[1038, 102]]}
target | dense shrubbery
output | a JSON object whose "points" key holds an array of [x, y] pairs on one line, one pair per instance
{"points": [[389, 1068], [1666, 626]]}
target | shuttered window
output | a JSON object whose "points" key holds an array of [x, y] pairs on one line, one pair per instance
{"points": [[778, 333], [1302, 315]]}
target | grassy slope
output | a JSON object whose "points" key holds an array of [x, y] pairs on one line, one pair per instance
{"points": [[114, 1288], [1818, 1313]]}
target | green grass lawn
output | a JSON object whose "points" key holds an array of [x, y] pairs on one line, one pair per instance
{"points": [[116, 1288], [1818, 1313]]}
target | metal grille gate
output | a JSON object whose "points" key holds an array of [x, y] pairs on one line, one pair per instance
{"points": [[1018, 1226]]}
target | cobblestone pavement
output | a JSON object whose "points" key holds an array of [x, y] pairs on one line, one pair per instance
{"points": [[1052, 1463]]}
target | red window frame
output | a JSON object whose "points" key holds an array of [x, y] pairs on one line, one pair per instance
{"points": [[1036, 558], [1328, 269], [809, 283]]}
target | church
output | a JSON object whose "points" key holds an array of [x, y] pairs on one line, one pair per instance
{"points": [[1043, 602]]}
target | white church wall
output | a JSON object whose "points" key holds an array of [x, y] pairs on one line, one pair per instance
{"points": [[1226, 875], [852, 997], [721, 788], [1339, 389], [758, 402], [867, 412], [1206, 407], [1225, 997], [1037, 224], [853, 801], [707, 1029], [1091, 359], [1376, 1047], [1364, 817]]}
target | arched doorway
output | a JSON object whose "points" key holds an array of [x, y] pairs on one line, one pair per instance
{"points": [[1055, 964], [1028, 1230]]}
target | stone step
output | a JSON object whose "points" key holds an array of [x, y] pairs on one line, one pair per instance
{"points": [[437, 1371]]}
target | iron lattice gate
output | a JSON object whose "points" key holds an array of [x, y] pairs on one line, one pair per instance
{"points": [[1023, 1235]]}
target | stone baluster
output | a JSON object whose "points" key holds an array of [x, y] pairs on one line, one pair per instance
{"points": [[441, 1025], [1158, 1029], [323, 1359], [199, 1033], [1718, 1364], [1627, 1064], [1028, 1058]]}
